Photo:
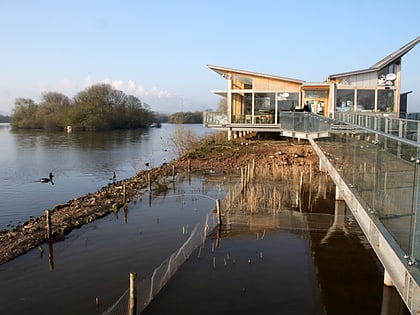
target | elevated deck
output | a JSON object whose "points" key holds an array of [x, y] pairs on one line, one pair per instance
{"points": [[374, 161]]}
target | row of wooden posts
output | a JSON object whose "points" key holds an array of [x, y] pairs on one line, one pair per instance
{"points": [[246, 174], [149, 184], [133, 275]]}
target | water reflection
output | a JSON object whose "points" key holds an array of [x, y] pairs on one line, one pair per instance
{"points": [[81, 163], [285, 247]]}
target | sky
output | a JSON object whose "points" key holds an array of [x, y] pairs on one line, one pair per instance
{"points": [[159, 50]]}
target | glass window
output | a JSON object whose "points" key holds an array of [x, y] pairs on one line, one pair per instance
{"points": [[386, 100], [264, 107], [345, 100], [316, 93], [287, 101], [264, 103], [365, 100], [248, 103]]}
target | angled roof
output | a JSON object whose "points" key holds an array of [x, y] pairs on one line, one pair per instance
{"points": [[396, 54], [384, 62], [244, 75]]}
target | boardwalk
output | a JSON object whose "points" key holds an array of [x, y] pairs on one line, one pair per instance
{"points": [[374, 162]]}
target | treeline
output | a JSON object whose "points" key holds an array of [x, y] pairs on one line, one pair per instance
{"points": [[4, 119], [99, 107], [186, 118]]}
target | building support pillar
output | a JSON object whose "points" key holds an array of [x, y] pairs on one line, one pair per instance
{"points": [[387, 279], [338, 194]]}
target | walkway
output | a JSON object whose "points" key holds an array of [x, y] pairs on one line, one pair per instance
{"points": [[374, 161]]}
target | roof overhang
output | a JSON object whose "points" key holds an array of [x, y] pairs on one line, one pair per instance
{"points": [[247, 76], [220, 93], [316, 85]]}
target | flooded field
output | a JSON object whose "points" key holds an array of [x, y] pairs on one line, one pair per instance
{"points": [[285, 246]]}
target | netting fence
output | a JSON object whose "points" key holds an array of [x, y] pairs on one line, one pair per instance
{"points": [[150, 286]]}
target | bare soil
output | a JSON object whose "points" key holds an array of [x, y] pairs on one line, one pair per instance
{"points": [[210, 156]]}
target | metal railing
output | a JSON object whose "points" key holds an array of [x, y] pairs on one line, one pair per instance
{"points": [[292, 121], [386, 123]]}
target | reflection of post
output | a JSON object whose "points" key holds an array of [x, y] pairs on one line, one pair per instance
{"points": [[150, 199], [339, 221], [125, 215], [218, 236], [219, 213], [51, 255], [48, 219]]}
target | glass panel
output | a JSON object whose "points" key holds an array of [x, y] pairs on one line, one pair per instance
{"points": [[241, 106], [345, 100], [287, 101], [415, 252], [383, 175], [385, 100], [264, 108], [316, 93], [365, 100]]}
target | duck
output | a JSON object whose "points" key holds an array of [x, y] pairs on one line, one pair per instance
{"points": [[48, 179], [113, 178]]}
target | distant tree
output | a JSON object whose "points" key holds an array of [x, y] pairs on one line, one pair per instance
{"points": [[186, 118], [222, 105], [23, 114], [52, 110], [99, 107], [4, 119], [162, 118]]}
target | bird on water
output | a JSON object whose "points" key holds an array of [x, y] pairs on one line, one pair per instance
{"points": [[48, 179]]}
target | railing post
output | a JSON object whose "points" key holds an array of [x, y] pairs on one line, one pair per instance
{"points": [[400, 128], [418, 131]]}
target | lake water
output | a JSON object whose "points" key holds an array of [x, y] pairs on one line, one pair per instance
{"points": [[81, 163], [304, 258]]}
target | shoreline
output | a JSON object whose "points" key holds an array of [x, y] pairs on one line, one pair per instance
{"points": [[209, 156]]}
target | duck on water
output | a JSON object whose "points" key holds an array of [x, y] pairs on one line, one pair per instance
{"points": [[48, 179]]}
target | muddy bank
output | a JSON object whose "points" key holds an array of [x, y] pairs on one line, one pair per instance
{"points": [[209, 157]]}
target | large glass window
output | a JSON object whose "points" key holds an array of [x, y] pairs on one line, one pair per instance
{"points": [[365, 100], [345, 100], [287, 101], [386, 100], [316, 93], [264, 107]]}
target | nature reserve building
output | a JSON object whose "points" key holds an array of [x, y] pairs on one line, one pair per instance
{"points": [[258, 99]]}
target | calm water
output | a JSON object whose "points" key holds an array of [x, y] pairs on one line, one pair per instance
{"points": [[81, 163], [297, 260]]}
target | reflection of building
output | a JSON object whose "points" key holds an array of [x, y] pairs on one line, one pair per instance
{"points": [[256, 98]]}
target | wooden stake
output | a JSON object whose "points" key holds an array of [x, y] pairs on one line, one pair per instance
{"points": [[124, 196], [189, 167], [242, 179], [133, 294], [48, 218], [149, 181]]}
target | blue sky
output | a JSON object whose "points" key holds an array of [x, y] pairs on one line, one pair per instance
{"points": [[159, 50]]}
